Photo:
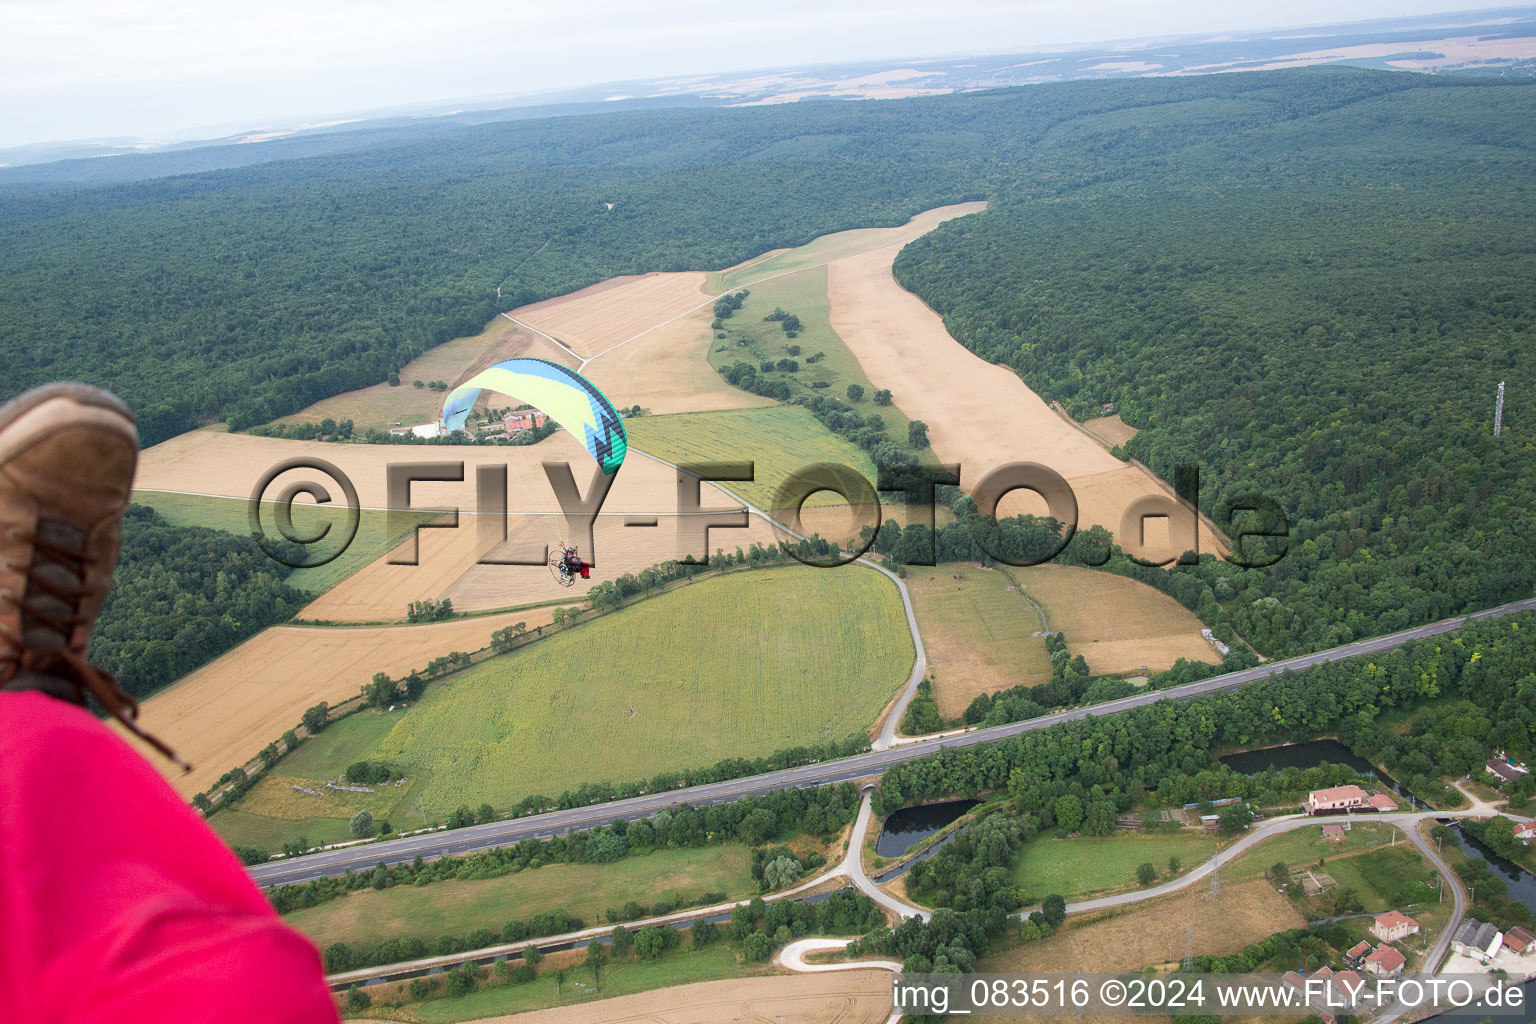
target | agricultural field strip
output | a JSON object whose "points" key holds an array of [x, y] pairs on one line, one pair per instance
{"points": [[859, 766], [1406, 821], [693, 309], [385, 971]]}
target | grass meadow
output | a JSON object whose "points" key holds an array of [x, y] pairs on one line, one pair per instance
{"points": [[751, 339], [1074, 868], [455, 907], [738, 665]]}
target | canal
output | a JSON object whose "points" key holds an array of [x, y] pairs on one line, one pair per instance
{"points": [[1310, 755]]}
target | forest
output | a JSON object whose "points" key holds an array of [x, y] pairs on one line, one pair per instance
{"points": [[166, 613], [1325, 323], [247, 293]]}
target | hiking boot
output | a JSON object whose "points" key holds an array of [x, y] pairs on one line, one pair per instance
{"points": [[67, 455]]}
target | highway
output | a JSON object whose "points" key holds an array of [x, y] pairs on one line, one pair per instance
{"points": [[861, 766]]}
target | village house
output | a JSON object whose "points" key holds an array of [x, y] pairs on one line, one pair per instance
{"points": [[1357, 953], [1381, 802], [1344, 989], [1333, 833], [1503, 770], [1335, 800], [525, 419], [1393, 926], [1525, 831], [1520, 940], [1477, 940], [1385, 960]]}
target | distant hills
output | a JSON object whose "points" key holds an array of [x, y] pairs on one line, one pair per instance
{"points": [[1497, 41]]}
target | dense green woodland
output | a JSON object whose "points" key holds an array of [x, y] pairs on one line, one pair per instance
{"points": [[167, 613], [1315, 307]]}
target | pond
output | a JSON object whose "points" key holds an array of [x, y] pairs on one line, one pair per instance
{"points": [[1307, 755], [911, 825]]}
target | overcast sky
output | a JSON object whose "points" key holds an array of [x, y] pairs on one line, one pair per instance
{"points": [[176, 68]]}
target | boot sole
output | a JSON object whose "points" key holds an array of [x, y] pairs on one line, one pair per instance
{"points": [[27, 417]]}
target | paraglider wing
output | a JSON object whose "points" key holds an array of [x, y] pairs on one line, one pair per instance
{"points": [[564, 395]]}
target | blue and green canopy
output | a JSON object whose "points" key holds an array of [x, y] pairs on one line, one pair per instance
{"points": [[564, 395]]}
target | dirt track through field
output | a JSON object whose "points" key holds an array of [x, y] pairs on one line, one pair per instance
{"points": [[226, 711], [596, 318], [978, 414], [847, 997]]}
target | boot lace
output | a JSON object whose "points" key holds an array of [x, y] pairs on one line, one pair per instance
{"points": [[64, 662]]}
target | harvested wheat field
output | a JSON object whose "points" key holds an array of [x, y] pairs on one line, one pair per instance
{"points": [[1117, 624], [666, 369], [603, 315], [844, 997], [982, 634], [1112, 430], [220, 715], [1153, 933], [452, 363], [979, 414], [230, 465], [836, 246]]}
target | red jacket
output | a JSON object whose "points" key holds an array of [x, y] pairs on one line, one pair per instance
{"points": [[118, 905]]}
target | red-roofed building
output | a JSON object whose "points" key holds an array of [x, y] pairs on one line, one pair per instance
{"points": [[527, 419], [1333, 832], [1357, 953], [1385, 960], [1520, 940], [1332, 801], [1525, 831], [1382, 802], [1394, 925], [1346, 986]]}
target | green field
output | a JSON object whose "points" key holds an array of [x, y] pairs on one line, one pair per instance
{"points": [[815, 254], [737, 665], [1305, 846], [620, 979], [1378, 877], [779, 440], [752, 339], [367, 916], [1093, 864], [232, 516], [272, 813]]}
